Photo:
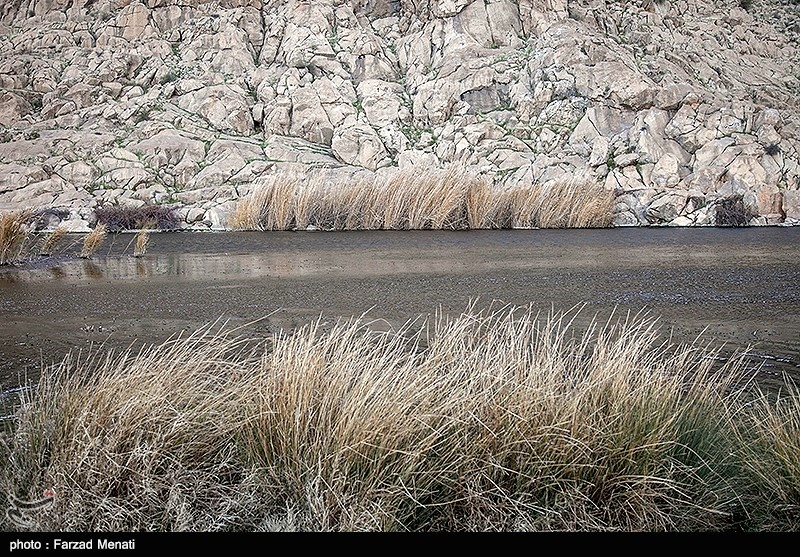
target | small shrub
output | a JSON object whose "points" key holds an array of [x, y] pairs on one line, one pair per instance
{"points": [[746, 4], [93, 241], [772, 150], [733, 212], [142, 115], [118, 218], [576, 15], [169, 77]]}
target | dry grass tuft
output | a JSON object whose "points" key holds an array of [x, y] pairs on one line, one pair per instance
{"points": [[93, 240], [52, 241], [486, 206], [497, 419], [770, 439], [14, 232], [575, 203], [568, 203], [269, 206], [137, 441]]}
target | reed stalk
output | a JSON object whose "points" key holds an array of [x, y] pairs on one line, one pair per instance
{"points": [[93, 240]]}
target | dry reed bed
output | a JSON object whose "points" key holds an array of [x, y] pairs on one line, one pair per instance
{"points": [[496, 419], [449, 198]]}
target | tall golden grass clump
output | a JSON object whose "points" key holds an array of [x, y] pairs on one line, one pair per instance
{"points": [[93, 240], [137, 439], [428, 199], [398, 201], [577, 202], [486, 206], [770, 444], [574, 203], [498, 419], [270, 204], [52, 241], [333, 205], [306, 201], [247, 215], [450, 198], [14, 233]]}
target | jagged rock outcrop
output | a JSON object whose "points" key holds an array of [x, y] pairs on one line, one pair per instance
{"points": [[676, 105]]}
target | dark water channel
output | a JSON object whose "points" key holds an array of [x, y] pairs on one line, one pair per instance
{"points": [[739, 286]]}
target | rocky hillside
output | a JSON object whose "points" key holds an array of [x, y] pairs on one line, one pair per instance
{"points": [[679, 106]]}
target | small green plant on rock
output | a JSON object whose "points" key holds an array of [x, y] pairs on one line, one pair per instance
{"points": [[169, 77]]}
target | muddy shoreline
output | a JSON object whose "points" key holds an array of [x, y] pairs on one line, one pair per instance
{"points": [[739, 287]]}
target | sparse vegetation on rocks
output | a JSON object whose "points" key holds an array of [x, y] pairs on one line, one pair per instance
{"points": [[196, 125]]}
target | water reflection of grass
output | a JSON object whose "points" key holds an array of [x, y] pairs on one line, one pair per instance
{"points": [[91, 270], [490, 420]]}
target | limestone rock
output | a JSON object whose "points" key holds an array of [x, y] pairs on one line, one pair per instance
{"points": [[673, 106], [791, 205], [358, 144], [13, 108]]}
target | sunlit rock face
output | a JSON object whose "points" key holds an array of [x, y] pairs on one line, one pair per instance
{"points": [[675, 105]]}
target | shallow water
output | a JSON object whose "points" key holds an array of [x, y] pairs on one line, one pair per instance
{"points": [[739, 286]]}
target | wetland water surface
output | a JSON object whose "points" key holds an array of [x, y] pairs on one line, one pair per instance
{"points": [[738, 286]]}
